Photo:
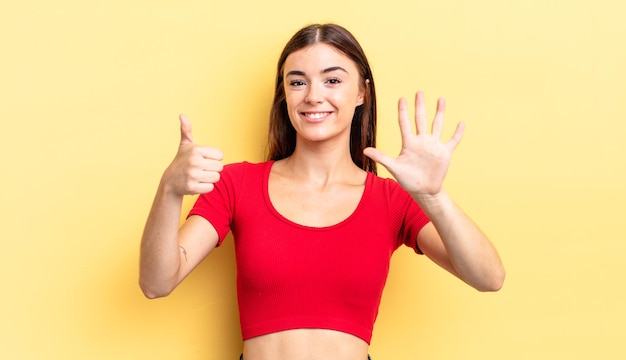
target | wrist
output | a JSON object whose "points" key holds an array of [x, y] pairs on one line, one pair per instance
{"points": [[433, 203], [168, 189]]}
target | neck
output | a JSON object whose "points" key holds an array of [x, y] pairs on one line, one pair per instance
{"points": [[321, 164]]}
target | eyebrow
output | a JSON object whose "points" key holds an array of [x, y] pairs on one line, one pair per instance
{"points": [[327, 70]]}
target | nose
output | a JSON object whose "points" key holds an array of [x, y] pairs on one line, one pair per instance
{"points": [[315, 93]]}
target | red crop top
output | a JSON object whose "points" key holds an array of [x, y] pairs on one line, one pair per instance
{"points": [[291, 276]]}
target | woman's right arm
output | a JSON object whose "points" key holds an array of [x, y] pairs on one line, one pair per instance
{"points": [[169, 253]]}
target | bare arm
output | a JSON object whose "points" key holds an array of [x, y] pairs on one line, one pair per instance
{"points": [[452, 240], [168, 254]]}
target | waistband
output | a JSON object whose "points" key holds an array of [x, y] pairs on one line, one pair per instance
{"points": [[368, 357]]}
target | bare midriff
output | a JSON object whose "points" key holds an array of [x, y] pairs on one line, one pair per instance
{"points": [[306, 344]]}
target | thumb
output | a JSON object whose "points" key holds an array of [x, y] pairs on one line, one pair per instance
{"points": [[379, 157], [185, 130]]}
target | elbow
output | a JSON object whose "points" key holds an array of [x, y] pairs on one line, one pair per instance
{"points": [[494, 282], [156, 285], [153, 292]]}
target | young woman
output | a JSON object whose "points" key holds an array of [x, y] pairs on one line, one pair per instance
{"points": [[314, 226]]}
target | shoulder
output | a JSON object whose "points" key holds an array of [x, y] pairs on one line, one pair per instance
{"points": [[387, 186], [245, 167], [237, 181], [236, 175], [388, 191]]}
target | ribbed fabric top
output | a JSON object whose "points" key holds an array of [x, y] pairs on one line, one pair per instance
{"points": [[291, 276]]}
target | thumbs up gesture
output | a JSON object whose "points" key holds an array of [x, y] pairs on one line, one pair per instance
{"points": [[195, 169]]}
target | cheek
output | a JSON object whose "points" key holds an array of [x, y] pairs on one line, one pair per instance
{"points": [[354, 96], [289, 104], [291, 99], [347, 100]]}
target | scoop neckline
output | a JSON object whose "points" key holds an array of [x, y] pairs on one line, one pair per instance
{"points": [[277, 214]]}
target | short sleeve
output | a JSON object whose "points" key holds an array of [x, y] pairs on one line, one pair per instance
{"points": [[413, 218], [218, 206]]}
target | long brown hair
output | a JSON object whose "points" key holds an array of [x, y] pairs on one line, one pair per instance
{"points": [[282, 135]]}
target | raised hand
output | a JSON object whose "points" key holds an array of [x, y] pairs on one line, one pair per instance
{"points": [[195, 169], [424, 159]]}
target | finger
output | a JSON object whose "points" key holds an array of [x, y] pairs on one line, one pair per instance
{"points": [[185, 130], [210, 165], [403, 119], [437, 127], [201, 181], [205, 188], [209, 177], [200, 188], [379, 157], [455, 140], [212, 153], [201, 176], [421, 122]]}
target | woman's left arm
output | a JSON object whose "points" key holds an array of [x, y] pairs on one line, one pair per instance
{"points": [[451, 240], [454, 242]]}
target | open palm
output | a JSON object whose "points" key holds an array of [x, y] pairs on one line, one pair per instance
{"points": [[423, 162]]}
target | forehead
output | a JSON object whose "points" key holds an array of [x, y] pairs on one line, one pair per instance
{"points": [[317, 57]]}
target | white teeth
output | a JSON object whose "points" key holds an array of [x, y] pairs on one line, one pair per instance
{"points": [[316, 115]]}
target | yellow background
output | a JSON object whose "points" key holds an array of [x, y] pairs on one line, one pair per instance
{"points": [[89, 97]]}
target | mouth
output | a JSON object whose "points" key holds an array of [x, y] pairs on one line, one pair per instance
{"points": [[316, 116]]}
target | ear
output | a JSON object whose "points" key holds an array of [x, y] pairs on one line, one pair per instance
{"points": [[361, 98]]}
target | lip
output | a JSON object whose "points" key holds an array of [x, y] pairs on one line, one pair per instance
{"points": [[315, 116]]}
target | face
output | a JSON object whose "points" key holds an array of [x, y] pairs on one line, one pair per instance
{"points": [[322, 90]]}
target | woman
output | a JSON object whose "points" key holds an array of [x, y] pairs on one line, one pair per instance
{"points": [[314, 227]]}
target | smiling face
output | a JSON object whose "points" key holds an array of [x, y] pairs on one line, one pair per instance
{"points": [[322, 89]]}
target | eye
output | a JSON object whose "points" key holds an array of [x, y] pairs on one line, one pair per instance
{"points": [[296, 83], [333, 81]]}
